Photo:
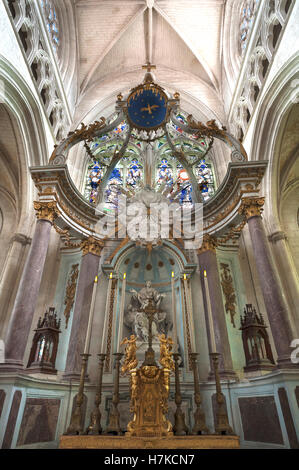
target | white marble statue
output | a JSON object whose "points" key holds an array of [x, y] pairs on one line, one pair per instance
{"points": [[135, 317]]}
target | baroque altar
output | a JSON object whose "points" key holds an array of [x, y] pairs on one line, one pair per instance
{"points": [[149, 384]]}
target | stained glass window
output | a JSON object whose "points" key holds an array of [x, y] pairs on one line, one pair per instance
{"points": [[52, 23], [165, 173], [95, 173], [205, 178], [112, 192], [134, 174], [129, 171], [248, 12]]}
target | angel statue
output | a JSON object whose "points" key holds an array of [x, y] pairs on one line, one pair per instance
{"points": [[165, 352], [130, 361]]}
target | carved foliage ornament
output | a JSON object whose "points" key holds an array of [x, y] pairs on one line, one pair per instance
{"points": [[46, 210], [209, 243], [251, 206], [70, 292], [91, 245], [228, 291]]}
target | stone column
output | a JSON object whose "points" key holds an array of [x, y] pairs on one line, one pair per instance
{"points": [[26, 298], [208, 261], [287, 273], [12, 265], [91, 252], [276, 309]]}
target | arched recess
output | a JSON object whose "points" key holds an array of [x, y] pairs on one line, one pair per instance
{"points": [[278, 108], [157, 265], [22, 144], [27, 131], [268, 131]]}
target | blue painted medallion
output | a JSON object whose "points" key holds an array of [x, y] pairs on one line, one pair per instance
{"points": [[147, 108]]}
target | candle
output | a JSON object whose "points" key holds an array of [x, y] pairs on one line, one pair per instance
{"points": [[211, 323], [175, 334], [121, 311], [104, 336], [91, 312]]}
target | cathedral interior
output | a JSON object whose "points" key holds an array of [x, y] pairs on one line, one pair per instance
{"points": [[111, 109]]}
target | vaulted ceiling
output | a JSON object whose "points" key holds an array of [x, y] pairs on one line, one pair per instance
{"points": [[183, 38]]}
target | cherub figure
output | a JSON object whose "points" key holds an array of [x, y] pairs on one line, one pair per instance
{"points": [[130, 361], [165, 352]]}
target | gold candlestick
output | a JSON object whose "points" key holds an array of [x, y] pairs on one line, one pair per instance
{"points": [[222, 424], [113, 426], [95, 427], [75, 426], [200, 426], [180, 428]]}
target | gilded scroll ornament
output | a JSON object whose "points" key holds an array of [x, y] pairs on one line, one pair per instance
{"points": [[70, 292], [92, 245], [251, 206], [130, 361], [46, 210], [228, 291], [209, 243]]}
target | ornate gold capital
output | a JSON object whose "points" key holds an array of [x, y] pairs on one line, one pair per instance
{"points": [[251, 206], [92, 245], [209, 243], [46, 210]]}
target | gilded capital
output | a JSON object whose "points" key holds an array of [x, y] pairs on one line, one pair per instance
{"points": [[92, 245], [251, 206], [209, 243], [46, 210]]}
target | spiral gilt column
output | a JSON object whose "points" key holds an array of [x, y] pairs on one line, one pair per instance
{"points": [[252, 208], [26, 298]]}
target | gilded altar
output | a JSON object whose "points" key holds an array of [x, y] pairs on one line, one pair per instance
{"points": [[149, 384], [149, 402]]}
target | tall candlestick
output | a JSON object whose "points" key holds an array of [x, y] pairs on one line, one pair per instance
{"points": [[189, 312], [104, 334], [211, 323], [175, 334], [121, 312], [90, 319]]}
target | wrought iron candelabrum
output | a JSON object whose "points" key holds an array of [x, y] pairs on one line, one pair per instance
{"points": [[200, 426], [222, 425], [114, 426], [76, 424], [95, 427], [180, 428]]}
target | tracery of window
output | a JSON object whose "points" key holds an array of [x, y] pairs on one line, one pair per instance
{"points": [[127, 174], [173, 175], [52, 23], [247, 17]]}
